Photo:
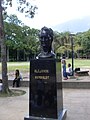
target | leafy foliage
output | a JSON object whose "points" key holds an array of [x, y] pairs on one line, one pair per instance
{"points": [[23, 6], [21, 37]]}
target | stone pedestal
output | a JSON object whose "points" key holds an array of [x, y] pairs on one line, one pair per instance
{"points": [[1, 86], [45, 100]]}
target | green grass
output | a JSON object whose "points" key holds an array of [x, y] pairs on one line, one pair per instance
{"points": [[82, 63], [24, 66]]}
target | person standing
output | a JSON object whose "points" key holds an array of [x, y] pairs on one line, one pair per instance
{"points": [[64, 69]]}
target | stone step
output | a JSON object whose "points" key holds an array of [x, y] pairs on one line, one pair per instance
{"points": [[65, 84]]}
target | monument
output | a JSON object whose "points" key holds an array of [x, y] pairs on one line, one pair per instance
{"points": [[46, 39], [45, 90]]}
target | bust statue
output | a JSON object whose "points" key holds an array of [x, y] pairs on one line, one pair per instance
{"points": [[46, 38]]}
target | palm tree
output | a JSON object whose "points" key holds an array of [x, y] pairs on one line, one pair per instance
{"points": [[62, 43]]}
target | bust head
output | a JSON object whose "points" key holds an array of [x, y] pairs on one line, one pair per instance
{"points": [[46, 38]]}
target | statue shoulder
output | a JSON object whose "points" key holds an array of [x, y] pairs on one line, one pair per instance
{"points": [[46, 55]]}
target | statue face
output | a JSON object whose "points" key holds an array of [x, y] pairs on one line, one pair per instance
{"points": [[45, 43]]}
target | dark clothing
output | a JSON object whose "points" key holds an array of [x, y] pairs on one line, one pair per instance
{"points": [[17, 81], [69, 74]]}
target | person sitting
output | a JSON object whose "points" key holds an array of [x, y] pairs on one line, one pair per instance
{"points": [[69, 70], [17, 78]]}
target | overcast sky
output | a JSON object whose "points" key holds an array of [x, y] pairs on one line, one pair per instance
{"points": [[53, 12]]}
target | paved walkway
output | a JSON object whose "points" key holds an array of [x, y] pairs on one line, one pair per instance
{"points": [[78, 78], [76, 101]]}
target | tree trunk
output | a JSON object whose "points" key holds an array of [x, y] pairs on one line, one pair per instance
{"points": [[3, 53], [7, 54], [17, 55], [27, 58]]}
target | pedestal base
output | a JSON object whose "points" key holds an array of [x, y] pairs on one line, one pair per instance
{"points": [[62, 116], [1, 86]]}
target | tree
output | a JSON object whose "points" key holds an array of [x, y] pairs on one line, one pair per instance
{"points": [[31, 41], [62, 42], [21, 38], [82, 44], [86, 43], [30, 11], [3, 53], [78, 48], [13, 35]]}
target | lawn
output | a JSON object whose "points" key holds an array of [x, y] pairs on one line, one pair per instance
{"points": [[82, 63], [24, 66]]}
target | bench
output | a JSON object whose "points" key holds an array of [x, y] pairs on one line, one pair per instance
{"points": [[82, 73]]}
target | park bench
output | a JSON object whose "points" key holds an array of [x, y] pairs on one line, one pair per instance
{"points": [[79, 72], [82, 73]]}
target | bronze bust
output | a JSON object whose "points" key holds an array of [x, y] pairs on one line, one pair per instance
{"points": [[46, 38]]}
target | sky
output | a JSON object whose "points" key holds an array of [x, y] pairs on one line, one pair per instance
{"points": [[53, 12]]}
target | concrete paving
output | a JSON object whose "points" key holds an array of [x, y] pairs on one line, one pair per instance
{"points": [[76, 101]]}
